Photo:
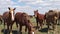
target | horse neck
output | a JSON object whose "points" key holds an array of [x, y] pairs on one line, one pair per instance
{"points": [[37, 15]]}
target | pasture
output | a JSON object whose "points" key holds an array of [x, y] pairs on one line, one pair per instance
{"points": [[42, 31]]}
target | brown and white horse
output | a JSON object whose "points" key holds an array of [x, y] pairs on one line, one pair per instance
{"points": [[23, 20], [39, 18], [8, 18], [51, 19]]}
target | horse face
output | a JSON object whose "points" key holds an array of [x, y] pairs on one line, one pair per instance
{"points": [[35, 13], [11, 12]]}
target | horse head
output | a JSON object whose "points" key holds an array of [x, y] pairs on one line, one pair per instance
{"points": [[11, 13], [35, 13]]}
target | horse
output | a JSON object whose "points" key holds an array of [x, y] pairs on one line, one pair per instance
{"points": [[23, 19], [8, 18], [51, 19], [39, 18]]}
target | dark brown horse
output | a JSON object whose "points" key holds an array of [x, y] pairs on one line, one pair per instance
{"points": [[8, 18], [39, 18], [23, 20], [51, 19]]}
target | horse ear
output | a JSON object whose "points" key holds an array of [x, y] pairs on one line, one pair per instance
{"points": [[9, 8], [36, 10], [14, 8]]}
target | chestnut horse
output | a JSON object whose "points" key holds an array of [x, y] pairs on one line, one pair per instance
{"points": [[39, 18], [23, 20], [51, 19], [8, 18]]}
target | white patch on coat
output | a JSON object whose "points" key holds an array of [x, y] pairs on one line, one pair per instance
{"points": [[32, 32]]}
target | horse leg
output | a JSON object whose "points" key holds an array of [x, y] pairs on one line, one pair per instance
{"points": [[57, 21], [25, 28], [8, 29], [55, 29], [37, 24], [17, 26], [0, 21], [4, 26], [41, 25], [48, 29], [29, 30], [20, 29], [44, 22]]}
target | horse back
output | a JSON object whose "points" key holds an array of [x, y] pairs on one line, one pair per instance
{"points": [[21, 18], [41, 16]]}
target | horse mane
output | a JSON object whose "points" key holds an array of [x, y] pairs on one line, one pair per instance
{"points": [[50, 10]]}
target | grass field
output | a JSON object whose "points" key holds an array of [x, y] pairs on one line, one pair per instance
{"points": [[43, 31]]}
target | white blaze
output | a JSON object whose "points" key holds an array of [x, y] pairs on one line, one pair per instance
{"points": [[12, 16], [32, 32]]}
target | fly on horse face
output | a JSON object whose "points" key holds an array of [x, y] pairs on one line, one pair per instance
{"points": [[8, 18], [23, 20], [39, 18], [51, 19]]}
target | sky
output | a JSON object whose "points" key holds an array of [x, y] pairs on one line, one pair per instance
{"points": [[28, 6]]}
